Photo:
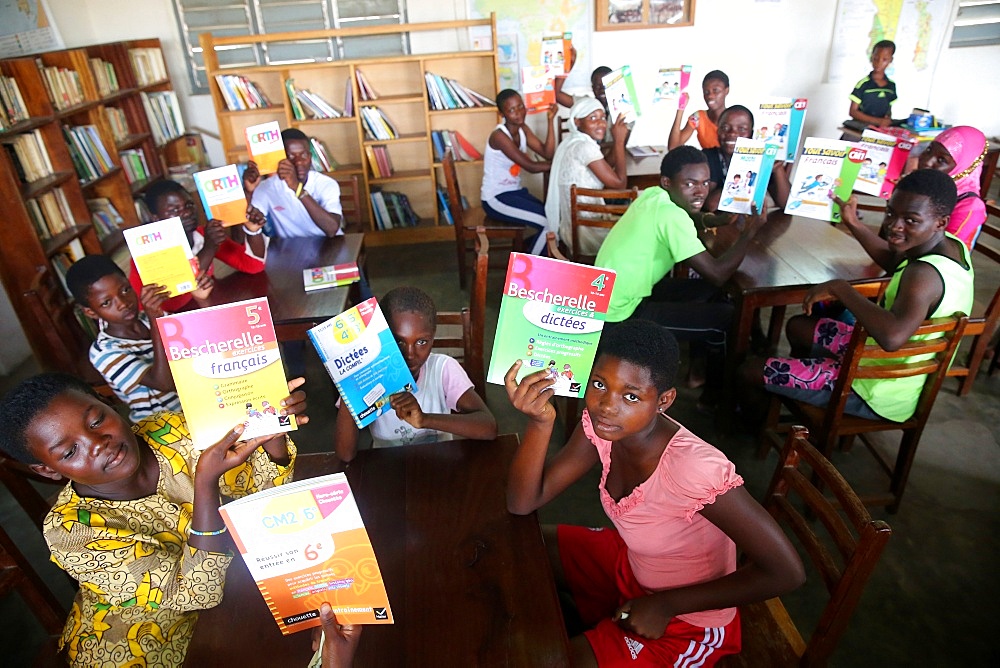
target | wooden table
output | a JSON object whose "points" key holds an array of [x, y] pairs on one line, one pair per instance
{"points": [[292, 308], [469, 583], [644, 172]]}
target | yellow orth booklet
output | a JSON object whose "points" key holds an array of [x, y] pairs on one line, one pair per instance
{"points": [[265, 146], [162, 255]]}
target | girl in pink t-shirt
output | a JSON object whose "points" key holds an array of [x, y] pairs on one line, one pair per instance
{"points": [[662, 586]]}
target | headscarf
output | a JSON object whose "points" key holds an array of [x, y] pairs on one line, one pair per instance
{"points": [[967, 147], [584, 107]]}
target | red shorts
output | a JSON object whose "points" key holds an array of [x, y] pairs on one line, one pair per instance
{"points": [[595, 563]]}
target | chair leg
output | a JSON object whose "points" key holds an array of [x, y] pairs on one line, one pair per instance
{"points": [[901, 471], [766, 442], [974, 362], [461, 263]]}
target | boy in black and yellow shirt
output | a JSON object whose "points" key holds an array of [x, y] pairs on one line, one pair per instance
{"points": [[872, 97]]}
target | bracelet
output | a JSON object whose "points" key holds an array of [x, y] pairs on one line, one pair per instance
{"points": [[217, 532], [298, 191], [249, 232]]}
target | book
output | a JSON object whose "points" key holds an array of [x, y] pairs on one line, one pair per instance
{"points": [[620, 91], [748, 175], [227, 368], [644, 151], [222, 196], [360, 353], [305, 544], [779, 121], [265, 146], [556, 53], [469, 151], [826, 167], [884, 162], [332, 276], [551, 317], [670, 83], [162, 255], [537, 88], [293, 100]]}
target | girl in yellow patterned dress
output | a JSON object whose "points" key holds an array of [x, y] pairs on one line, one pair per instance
{"points": [[135, 525]]}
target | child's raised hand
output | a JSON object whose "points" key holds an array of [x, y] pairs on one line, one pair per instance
{"points": [[295, 402], [551, 112], [682, 101], [339, 641], [407, 409], [152, 298], [286, 172], [205, 285], [754, 221], [225, 455], [531, 395], [251, 179], [620, 130], [255, 218], [848, 210], [644, 616], [215, 233]]}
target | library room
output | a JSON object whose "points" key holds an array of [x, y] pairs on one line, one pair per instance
{"points": [[312, 311]]}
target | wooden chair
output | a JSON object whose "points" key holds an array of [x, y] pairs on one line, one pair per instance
{"points": [[843, 548], [467, 220], [935, 339], [465, 342], [602, 216], [350, 201]]}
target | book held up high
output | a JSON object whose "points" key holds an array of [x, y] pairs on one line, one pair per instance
{"points": [[557, 53], [670, 83], [884, 161], [162, 255], [227, 368], [779, 121], [222, 196], [551, 317], [360, 353], [539, 91], [333, 276], [305, 544], [748, 175], [265, 146], [620, 92], [827, 167]]}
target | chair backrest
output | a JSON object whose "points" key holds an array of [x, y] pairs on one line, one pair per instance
{"points": [[844, 545], [454, 192], [988, 242], [552, 244], [989, 168], [350, 200], [595, 214], [466, 345], [65, 338], [16, 574]]}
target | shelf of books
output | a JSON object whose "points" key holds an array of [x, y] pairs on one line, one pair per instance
{"points": [[80, 143], [384, 119]]}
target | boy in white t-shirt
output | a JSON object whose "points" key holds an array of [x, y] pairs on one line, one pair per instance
{"points": [[445, 404]]}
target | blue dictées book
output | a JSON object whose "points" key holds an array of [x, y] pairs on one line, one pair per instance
{"points": [[360, 354]]}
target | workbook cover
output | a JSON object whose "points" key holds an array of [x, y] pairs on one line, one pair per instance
{"points": [[670, 83], [827, 167], [551, 317], [162, 255], [305, 544], [619, 89], [360, 354], [222, 196], [537, 88], [556, 53], [779, 121], [884, 161], [748, 175], [332, 276], [227, 368], [265, 146]]}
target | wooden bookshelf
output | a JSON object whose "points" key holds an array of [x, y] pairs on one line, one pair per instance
{"points": [[24, 251], [402, 96]]}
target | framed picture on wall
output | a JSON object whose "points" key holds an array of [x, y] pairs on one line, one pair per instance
{"points": [[635, 14]]}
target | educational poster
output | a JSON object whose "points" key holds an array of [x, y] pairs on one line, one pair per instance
{"points": [[551, 316], [25, 27]]}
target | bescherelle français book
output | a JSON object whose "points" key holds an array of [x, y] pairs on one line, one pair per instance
{"points": [[551, 316], [265, 146], [748, 175], [827, 167], [332, 276], [779, 120], [619, 90], [885, 158], [227, 368], [222, 196], [305, 544], [360, 354], [162, 255]]}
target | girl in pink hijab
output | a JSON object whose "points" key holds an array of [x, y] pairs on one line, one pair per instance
{"points": [[960, 152]]}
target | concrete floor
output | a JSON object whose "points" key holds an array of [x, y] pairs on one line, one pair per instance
{"points": [[934, 599]]}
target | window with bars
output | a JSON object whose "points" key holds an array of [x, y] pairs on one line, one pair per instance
{"points": [[257, 17], [977, 23]]}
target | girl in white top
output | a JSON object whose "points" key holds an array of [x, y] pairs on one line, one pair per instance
{"points": [[446, 403], [502, 195], [578, 161]]}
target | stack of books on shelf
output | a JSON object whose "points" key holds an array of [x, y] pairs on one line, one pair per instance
{"points": [[64, 259], [62, 84], [104, 216], [164, 114], [118, 122], [87, 151], [241, 94], [30, 157], [321, 160], [377, 124], [104, 76], [378, 159], [443, 209], [306, 104], [445, 93], [12, 110], [134, 164], [148, 65], [50, 213], [450, 140], [393, 210], [367, 92], [142, 211]]}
